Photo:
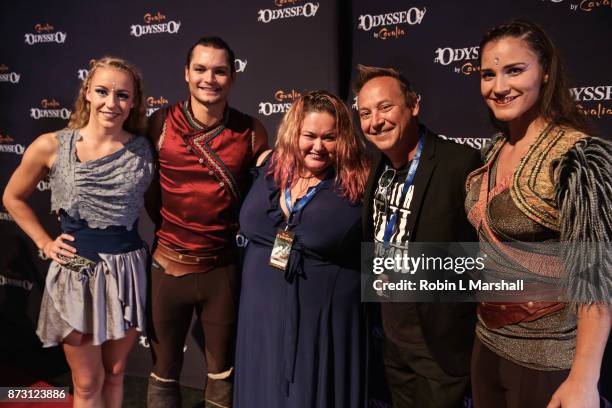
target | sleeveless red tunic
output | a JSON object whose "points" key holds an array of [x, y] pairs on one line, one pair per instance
{"points": [[203, 176]]}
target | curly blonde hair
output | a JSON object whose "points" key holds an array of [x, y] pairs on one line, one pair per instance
{"points": [[136, 120]]}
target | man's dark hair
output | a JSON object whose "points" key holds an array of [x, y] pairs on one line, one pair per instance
{"points": [[366, 73], [214, 42]]}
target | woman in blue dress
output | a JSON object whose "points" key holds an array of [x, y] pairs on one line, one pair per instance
{"points": [[300, 340], [99, 169]]}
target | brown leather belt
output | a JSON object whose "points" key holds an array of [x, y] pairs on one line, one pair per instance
{"points": [[178, 264], [496, 315]]}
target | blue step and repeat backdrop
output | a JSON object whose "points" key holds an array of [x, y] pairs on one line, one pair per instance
{"points": [[283, 48]]}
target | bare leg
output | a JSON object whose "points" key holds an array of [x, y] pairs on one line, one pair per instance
{"points": [[114, 356], [85, 361]]}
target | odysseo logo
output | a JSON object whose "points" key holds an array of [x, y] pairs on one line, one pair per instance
{"points": [[44, 185], [83, 72], [18, 283], [475, 142], [154, 104], [8, 145], [382, 22], [593, 101], [283, 101], [461, 58], [45, 33], [155, 24], [240, 65], [4, 216], [305, 10], [50, 109], [143, 341], [6, 76]]}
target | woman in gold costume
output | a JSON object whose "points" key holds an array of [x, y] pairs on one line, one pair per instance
{"points": [[545, 181]]}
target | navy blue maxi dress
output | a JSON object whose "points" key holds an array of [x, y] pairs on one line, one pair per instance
{"points": [[300, 340]]}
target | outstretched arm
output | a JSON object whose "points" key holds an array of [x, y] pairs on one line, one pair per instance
{"points": [[34, 166]]}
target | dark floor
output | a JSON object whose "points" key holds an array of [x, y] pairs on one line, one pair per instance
{"points": [[48, 365]]}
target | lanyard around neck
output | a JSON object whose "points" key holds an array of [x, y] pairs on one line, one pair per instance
{"points": [[392, 221], [301, 203]]}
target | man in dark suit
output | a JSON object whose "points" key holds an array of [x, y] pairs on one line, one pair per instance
{"points": [[427, 345]]}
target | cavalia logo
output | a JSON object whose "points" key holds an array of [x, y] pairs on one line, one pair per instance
{"points": [[287, 9], [593, 101], [590, 5], [282, 102], [240, 65], [8, 145], [50, 108], [7, 76], [45, 33], [155, 24], [585, 5], [387, 25], [154, 104], [463, 60]]}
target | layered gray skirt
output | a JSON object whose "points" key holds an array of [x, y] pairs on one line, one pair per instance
{"points": [[104, 301]]}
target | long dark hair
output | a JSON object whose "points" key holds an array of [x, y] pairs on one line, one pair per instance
{"points": [[555, 103]]}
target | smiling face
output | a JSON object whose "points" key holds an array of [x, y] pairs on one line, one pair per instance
{"points": [[110, 94], [385, 116], [209, 75], [317, 142], [511, 79]]}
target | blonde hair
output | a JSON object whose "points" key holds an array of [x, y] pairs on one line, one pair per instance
{"points": [[351, 164], [135, 122]]}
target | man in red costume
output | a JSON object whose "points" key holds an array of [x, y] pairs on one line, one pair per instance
{"points": [[205, 149]]}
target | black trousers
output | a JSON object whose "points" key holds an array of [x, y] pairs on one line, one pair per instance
{"points": [[500, 383], [416, 380], [213, 295]]}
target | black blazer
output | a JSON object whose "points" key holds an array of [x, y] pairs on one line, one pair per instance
{"points": [[438, 215]]}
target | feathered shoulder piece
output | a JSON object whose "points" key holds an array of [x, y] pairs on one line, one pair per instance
{"points": [[584, 195]]}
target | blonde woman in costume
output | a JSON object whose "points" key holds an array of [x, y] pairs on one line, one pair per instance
{"points": [[99, 168]]}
